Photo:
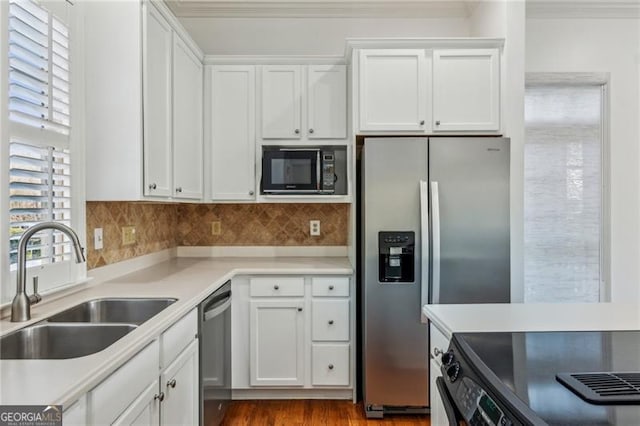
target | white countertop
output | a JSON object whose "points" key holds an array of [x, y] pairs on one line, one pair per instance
{"points": [[190, 280], [497, 317]]}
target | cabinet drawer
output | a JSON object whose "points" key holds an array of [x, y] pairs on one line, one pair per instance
{"points": [[330, 320], [330, 365], [115, 393], [437, 340], [178, 336], [276, 286], [330, 286]]}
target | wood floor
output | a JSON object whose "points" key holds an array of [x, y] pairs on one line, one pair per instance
{"points": [[308, 412]]}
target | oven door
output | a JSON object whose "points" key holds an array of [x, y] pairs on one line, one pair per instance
{"points": [[454, 418], [290, 170]]}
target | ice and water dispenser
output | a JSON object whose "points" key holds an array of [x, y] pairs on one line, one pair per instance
{"points": [[396, 252]]}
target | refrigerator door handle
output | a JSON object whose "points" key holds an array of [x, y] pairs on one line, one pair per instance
{"points": [[424, 246], [435, 220]]}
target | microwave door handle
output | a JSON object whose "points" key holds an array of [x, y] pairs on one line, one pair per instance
{"points": [[318, 169]]}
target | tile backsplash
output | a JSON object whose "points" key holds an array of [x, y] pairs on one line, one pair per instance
{"points": [[159, 226]]}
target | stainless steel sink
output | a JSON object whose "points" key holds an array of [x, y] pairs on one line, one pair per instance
{"points": [[113, 310], [60, 341]]}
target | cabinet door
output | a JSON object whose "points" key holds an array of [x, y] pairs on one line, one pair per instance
{"points": [[438, 415], [233, 132], [144, 410], [393, 90], [281, 102], [157, 103], [466, 90], [327, 101], [76, 414], [277, 343], [187, 122], [180, 384]]}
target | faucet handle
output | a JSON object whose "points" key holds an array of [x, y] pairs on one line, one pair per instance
{"points": [[35, 297]]}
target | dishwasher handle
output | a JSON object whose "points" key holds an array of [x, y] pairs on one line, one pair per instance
{"points": [[215, 309]]}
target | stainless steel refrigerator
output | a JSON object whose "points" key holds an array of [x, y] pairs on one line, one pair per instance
{"points": [[434, 229]]}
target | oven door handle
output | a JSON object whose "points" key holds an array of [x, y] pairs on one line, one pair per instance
{"points": [[449, 408], [216, 310]]}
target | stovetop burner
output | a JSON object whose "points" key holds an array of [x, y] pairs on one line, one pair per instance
{"points": [[604, 388]]}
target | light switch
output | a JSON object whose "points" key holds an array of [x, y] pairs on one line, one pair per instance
{"points": [[97, 239]]}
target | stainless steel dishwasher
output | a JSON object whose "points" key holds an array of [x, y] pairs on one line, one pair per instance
{"points": [[215, 355]]}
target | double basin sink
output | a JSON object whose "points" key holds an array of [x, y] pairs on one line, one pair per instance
{"points": [[81, 330]]}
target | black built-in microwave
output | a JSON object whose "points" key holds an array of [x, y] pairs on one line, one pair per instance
{"points": [[298, 170]]}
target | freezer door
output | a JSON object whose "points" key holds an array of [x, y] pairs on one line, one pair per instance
{"points": [[395, 342], [469, 211]]}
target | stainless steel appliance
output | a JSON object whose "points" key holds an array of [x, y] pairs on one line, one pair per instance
{"points": [[434, 229], [298, 170], [215, 355], [505, 379]]}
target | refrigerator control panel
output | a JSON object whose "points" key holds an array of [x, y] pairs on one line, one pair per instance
{"points": [[396, 257]]}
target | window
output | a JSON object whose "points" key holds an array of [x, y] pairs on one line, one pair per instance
{"points": [[563, 200], [39, 136]]}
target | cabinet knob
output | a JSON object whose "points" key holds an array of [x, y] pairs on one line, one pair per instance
{"points": [[179, 189], [330, 322], [276, 287], [171, 383], [152, 186], [330, 287], [159, 397], [422, 122], [330, 366], [299, 309], [296, 131], [251, 192], [310, 130], [437, 122]]}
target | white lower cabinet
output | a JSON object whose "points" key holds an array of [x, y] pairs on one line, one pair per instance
{"points": [[158, 386], [438, 343], [76, 414], [277, 343], [297, 332]]}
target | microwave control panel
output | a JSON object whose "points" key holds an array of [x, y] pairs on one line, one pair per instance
{"points": [[328, 171]]}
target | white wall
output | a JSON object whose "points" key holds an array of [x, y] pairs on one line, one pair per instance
{"points": [[604, 45], [506, 19], [307, 36]]}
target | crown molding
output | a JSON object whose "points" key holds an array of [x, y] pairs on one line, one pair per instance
{"points": [[273, 60], [319, 9], [547, 9]]}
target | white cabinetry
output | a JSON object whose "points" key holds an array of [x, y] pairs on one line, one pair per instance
{"points": [[76, 413], [143, 104], [393, 90], [159, 385], [466, 90], [291, 337], [187, 122], [232, 130], [438, 343], [304, 102]]}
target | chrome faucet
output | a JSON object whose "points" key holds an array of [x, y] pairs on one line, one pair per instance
{"points": [[21, 305]]}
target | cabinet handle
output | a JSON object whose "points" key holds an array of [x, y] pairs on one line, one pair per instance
{"points": [[310, 130], [299, 309], [276, 287], [152, 186], [251, 192], [171, 383], [330, 322], [330, 366], [330, 287], [422, 122], [296, 131], [159, 397], [437, 122], [179, 189]]}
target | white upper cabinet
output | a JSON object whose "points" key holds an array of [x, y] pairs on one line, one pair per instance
{"points": [[466, 90], [393, 90], [187, 122], [157, 40], [326, 101], [281, 101], [232, 100]]}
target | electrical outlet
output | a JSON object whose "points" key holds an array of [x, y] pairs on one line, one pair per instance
{"points": [[97, 239], [216, 227], [128, 235], [314, 228]]}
